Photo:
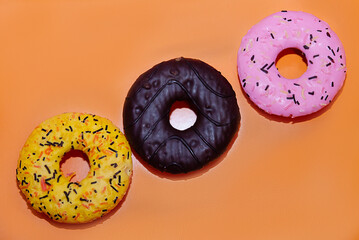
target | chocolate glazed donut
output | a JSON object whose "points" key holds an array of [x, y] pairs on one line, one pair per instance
{"points": [[147, 109]]}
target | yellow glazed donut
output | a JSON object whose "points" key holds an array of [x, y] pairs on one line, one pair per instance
{"points": [[50, 192]]}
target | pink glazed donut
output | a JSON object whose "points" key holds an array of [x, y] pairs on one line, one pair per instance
{"points": [[263, 83]]}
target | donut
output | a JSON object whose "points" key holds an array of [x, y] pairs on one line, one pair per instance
{"points": [[49, 191], [260, 78], [147, 109]]}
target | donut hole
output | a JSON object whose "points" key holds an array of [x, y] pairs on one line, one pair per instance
{"points": [[291, 63], [182, 117], [76, 164]]}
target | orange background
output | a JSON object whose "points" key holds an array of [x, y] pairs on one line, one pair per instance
{"points": [[280, 179]]}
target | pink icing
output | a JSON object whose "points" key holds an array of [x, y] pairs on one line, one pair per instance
{"points": [[263, 83]]}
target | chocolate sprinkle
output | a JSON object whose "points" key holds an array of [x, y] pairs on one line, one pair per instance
{"points": [[270, 65], [84, 119], [116, 173], [331, 59], [67, 195], [263, 70], [114, 188], [47, 168], [98, 130]]}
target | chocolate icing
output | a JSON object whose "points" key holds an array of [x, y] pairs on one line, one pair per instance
{"points": [[147, 108]]}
